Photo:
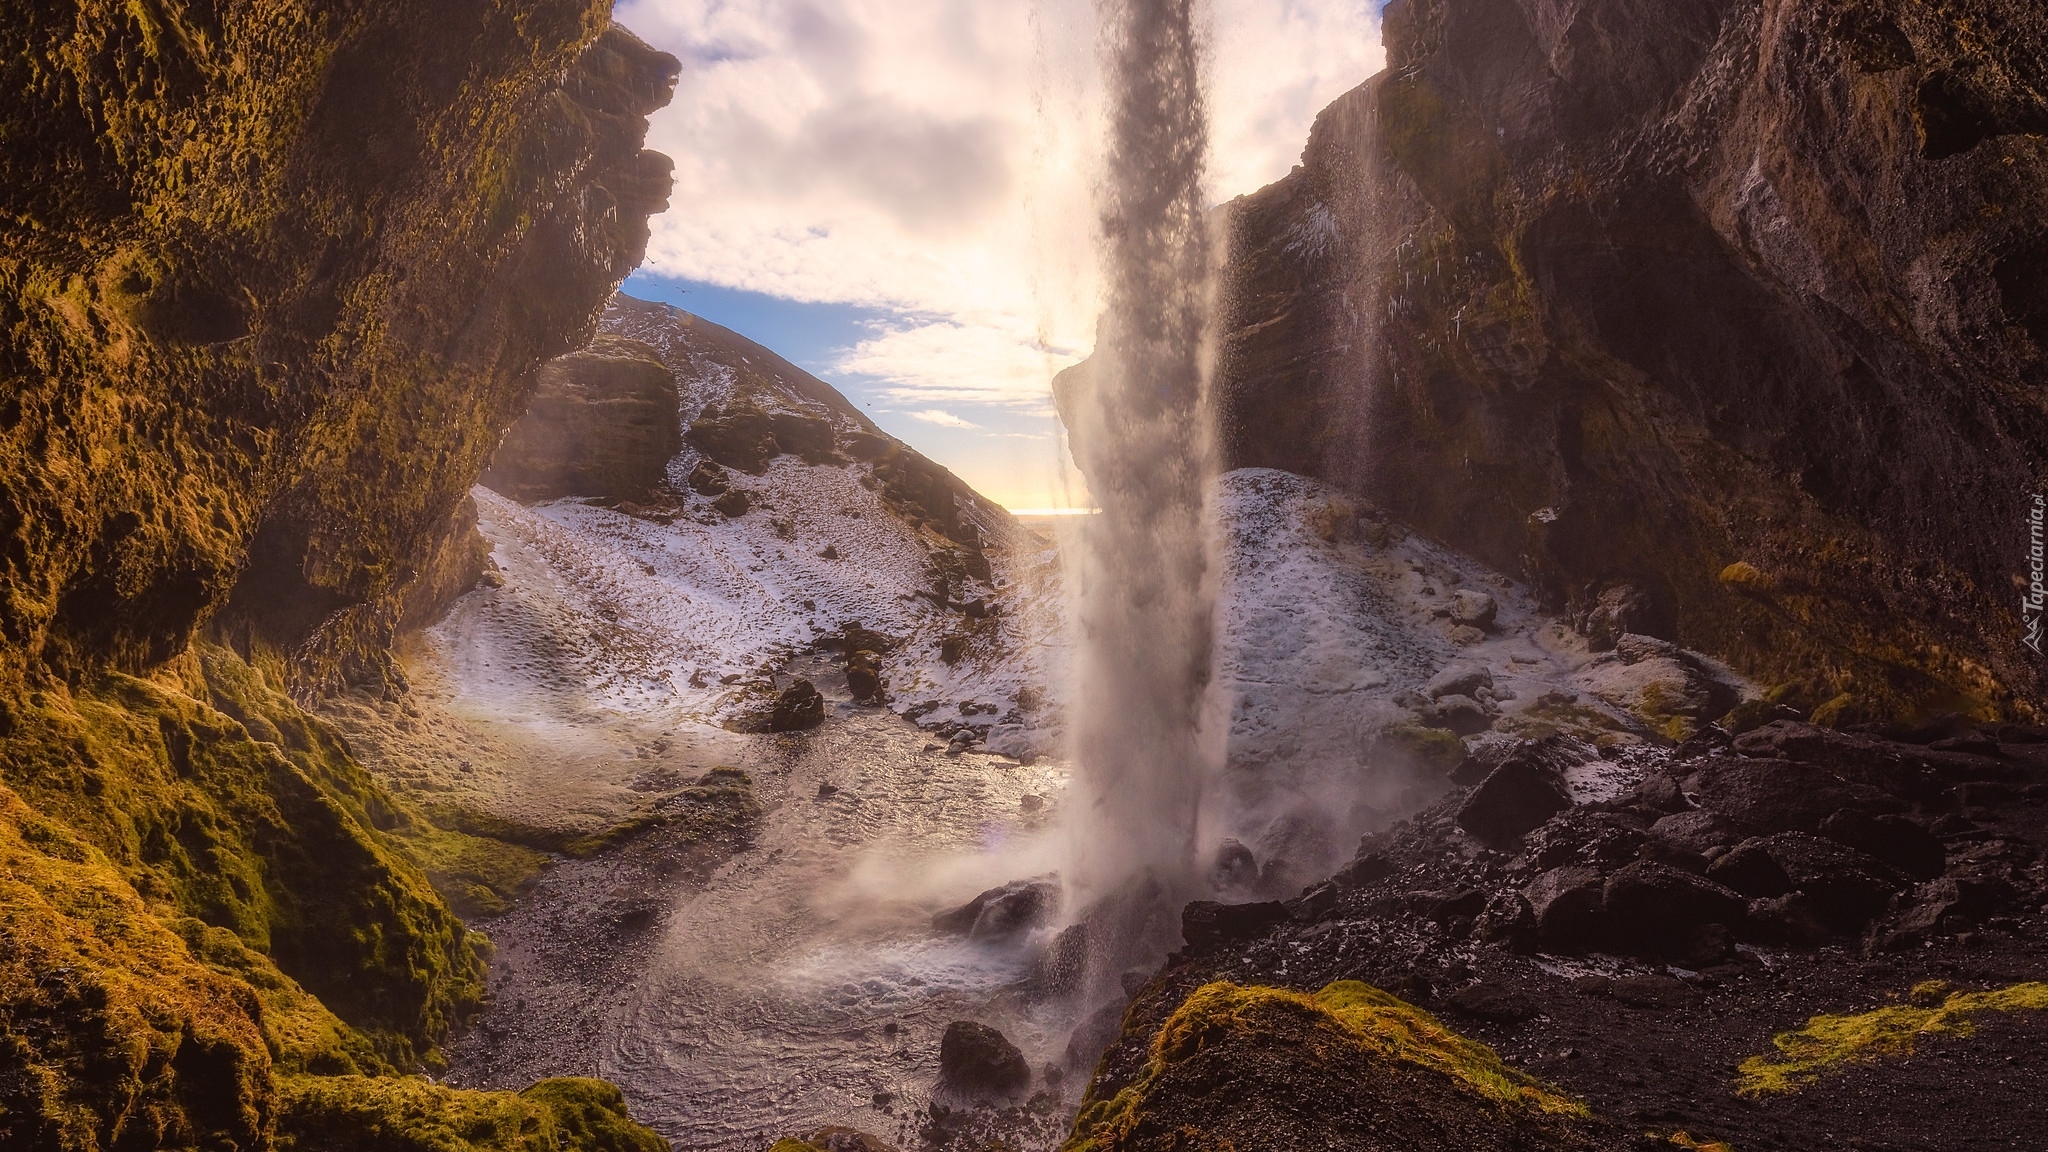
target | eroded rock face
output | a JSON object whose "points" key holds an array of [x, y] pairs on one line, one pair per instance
{"points": [[1722, 320], [602, 423], [273, 278], [273, 282]]}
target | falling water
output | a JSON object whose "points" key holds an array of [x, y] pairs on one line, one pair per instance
{"points": [[1141, 437]]}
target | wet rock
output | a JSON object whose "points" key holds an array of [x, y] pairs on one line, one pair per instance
{"points": [[1697, 832], [1618, 610], [1207, 923], [952, 648], [1943, 906], [1233, 866], [1463, 715], [1846, 888], [1508, 922], [1781, 795], [800, 706], [978, 1062], [864, 676], [1520, 795], [1659, 793], [1854, 757], [1370, 868], [732, 505], [1749, 869], [1460, 679], [1788, 919], [1653, 907], [1566, 904], [1896, 840], [1473, 609], [1003, 912]]}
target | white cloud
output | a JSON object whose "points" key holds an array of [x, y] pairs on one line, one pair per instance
{"points": [[934, 159], [942, 418]]}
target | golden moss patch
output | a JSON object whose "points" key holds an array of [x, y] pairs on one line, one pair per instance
{"points": [[410, 1114], [1829, 1042], [1373, 1023], [1688, 1141]]}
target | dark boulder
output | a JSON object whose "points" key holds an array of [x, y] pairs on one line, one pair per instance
{"points": [[1520, 795], [1233, 866], [1857, 758], [1370, 868], [977, 1062], [1003, 912], [1653, 907], [864, 675], [1749, 869], [732, 505], [1697, 832], [799, 707], [1788, 919], [1206, 923], [1566, 904], [1896, 840], [1462, 715], [1781, 795], [1846, 888]]}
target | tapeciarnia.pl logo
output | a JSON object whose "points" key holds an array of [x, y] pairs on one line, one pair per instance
{"points": [[2034, 605]]}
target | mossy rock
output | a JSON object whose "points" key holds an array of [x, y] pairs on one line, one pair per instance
{"points": [[409, 1114], [1349, 1066]]}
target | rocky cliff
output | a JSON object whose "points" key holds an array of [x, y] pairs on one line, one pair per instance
{"points": [[1720, 319], [273, 278]]}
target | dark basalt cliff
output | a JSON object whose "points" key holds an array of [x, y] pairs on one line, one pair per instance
{"points": [[602, 423], [273, 279], [1732, 312]]}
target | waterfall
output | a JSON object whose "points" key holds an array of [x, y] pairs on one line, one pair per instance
{"points": [[1140, 434]]}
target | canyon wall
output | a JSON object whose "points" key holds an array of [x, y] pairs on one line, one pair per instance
{"points": [[273, 280], [1725, 320]]}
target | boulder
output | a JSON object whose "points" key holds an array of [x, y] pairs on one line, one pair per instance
{"points": [[1004, 912], [732, 505], [1659, 793], [1527, 789], [799, 707], [1846, 888], [1620, 609], [1652, 907], [1473, 608], [1896, 840], [1459, 679], [1853, 757], [1233, 866], [864, 675], [978, 1062], [1788, 919], [1781, 795], [1463, 715], [1566, 903], [1697, 832], [1206, 923], [1749, 869]]}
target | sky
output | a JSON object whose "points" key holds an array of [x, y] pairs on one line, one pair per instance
{"points": [[895, 194]]}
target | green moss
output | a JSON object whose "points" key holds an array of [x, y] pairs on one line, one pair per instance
{"points": [[1435, 749], [1370, 1022], [1828, 1042], [410, 1114]]}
